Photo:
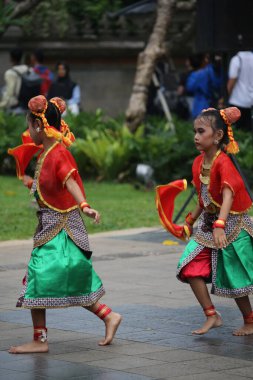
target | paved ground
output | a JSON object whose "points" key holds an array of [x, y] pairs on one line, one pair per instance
{"points": [[154, 341]]}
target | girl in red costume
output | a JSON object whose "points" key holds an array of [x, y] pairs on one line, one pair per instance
{"points": [[221, 251], [60, 272]]}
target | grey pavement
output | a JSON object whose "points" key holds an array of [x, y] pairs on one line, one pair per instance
{"points": [[159, 313]]}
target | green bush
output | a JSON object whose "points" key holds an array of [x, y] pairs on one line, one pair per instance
{"points": [[105, 148], [11, 128], [169, 153], [245, 156]]}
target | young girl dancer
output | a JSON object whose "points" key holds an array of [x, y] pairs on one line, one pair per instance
{"points": [[60, 272], [221, 250]]}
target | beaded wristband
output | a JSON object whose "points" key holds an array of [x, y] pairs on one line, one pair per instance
{"points": [[189, 219], [84, 204], [219, 223]]}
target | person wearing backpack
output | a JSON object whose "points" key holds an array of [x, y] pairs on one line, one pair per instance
{"points": [[37, 62], [13, 79]]}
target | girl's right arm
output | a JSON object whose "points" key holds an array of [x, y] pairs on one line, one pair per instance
{"points": [[76, 192], [190, 219], [27, 181]]}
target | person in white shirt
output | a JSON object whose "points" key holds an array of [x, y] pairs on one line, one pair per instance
{"points": [[240, 86], [9, 100]]}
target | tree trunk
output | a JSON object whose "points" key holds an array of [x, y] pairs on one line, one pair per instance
{"points": [[147, 59]]}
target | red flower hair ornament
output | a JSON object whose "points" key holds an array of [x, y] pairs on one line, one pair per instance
{"points": [[38, 106], [230, 115]]}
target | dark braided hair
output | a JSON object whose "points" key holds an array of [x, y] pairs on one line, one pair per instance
{"points": [[52, 115], [217, 123]]}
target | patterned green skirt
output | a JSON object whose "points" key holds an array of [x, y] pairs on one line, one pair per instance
{"points": [[232, 267], [60, 275]]}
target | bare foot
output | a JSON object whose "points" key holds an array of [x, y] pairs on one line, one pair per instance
{"points": [[246, 329], [211, 322], [34, 346], [112, 322]]}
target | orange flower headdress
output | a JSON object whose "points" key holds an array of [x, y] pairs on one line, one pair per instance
{"points": [[38, 106], [230, 115]]}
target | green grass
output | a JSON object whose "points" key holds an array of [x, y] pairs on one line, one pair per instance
{"points": [[121, 206]]}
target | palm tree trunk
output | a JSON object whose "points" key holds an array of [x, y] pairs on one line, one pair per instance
{"points": [[147, 59]]}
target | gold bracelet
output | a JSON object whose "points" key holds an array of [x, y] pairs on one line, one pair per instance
{"points": [[84, 204], [219, 223]]}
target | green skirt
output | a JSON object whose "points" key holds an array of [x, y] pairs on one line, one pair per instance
{"points": [[60, 275], [232, 267]]}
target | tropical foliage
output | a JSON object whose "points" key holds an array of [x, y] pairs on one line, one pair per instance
{"points": [[106, 150]]}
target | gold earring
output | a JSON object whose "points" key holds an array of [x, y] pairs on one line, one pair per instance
{"points": [[38, 129], [216, 142]]}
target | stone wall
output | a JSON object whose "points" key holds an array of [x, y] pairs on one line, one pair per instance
{"points": [[105, 84]]}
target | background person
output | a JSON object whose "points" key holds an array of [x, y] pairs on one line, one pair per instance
{"points": [[205, 84], [65, 88], [9, 101], [240, 87], [37, 62]]}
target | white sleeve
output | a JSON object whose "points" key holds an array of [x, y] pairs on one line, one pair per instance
{"points": [[234, 67]]}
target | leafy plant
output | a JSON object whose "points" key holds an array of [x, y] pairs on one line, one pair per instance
{"points": [[108, 151], [11, 129], [105, 148]]}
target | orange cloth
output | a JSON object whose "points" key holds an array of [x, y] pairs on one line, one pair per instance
{"points": [[165, 197], [223, 173]]}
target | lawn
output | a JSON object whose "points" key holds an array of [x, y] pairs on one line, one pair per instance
{"points": [[121, 206]]}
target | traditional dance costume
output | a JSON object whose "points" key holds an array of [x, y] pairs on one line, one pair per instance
{"points": [[60, 272], [230, 269]]}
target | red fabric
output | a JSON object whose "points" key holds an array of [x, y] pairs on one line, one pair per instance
{"points": [[223, 173], [23, 155], [165, 197], [46, 80], [200, 266], [58, 164], [26, 138]]}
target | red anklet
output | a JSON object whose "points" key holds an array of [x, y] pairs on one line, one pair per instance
{"points": [[209, 311], [103, 311], [40, 333], [248, 318]]}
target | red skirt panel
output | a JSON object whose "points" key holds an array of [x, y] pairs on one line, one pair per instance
{"points": [[200, 266]]}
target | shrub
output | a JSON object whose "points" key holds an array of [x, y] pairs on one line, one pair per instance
{"points": [[11, 128], [105, 148]]}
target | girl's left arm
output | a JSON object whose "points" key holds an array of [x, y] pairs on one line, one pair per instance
{"points": [[76, 192], [219, 235]]}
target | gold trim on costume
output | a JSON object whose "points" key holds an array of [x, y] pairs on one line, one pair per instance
{"points": [[49, 236], [67, 176], [210, 196], [40, 164]]}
